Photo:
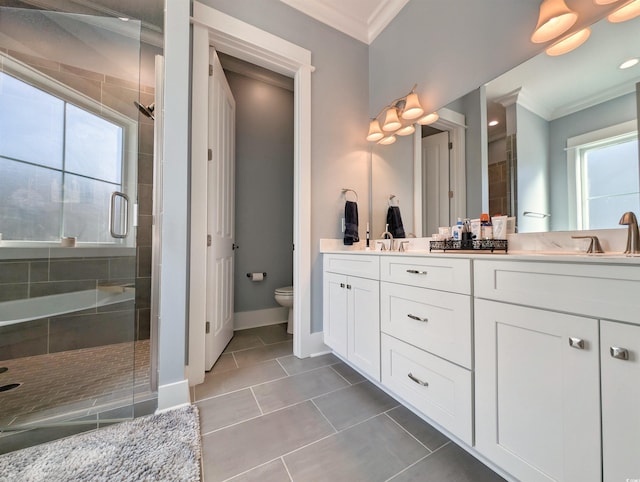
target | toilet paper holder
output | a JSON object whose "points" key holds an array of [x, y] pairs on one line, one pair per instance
{"points": [[250, 275]]}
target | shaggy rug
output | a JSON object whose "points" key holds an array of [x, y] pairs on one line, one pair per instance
{"points": [[160, 447]]}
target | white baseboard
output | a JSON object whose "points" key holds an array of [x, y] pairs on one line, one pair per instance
{"points": [[243, 320], [173, 395]]}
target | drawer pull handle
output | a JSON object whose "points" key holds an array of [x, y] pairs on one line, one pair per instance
{"points": [[417, 318], [417, 380], [576, 343], [619, 353], [415, 271]]}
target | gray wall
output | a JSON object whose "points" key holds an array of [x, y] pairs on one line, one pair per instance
{"points": [[603, 115], [339, 151], [533, 170], [264, 190]]}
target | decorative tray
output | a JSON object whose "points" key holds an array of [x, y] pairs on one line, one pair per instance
{"points": [[469, 245]]}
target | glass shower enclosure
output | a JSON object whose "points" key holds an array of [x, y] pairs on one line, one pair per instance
{"points": [[75, 218]]}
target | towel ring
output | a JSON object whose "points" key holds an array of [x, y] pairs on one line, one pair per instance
{"points": [[392, 202], [346, 191]]}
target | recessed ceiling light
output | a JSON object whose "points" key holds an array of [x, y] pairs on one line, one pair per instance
{"points": [[124, 19], [493, 123], [629, 63]]}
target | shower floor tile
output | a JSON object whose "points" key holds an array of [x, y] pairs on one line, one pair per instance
{"points": [[72, 383]]}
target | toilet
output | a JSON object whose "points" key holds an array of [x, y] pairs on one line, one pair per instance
{"points": [[284, 297]]}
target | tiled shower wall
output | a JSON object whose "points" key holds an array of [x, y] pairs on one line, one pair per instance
{"points": [[20, 279], [118, 94]]}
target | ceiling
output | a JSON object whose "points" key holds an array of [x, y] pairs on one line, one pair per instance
{"points": [[360, 19]]}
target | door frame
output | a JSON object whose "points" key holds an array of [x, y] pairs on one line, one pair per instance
{"points": [[453, 122], [246, 42]]}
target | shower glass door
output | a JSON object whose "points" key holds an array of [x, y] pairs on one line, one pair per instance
{"points": [[72, 355]]}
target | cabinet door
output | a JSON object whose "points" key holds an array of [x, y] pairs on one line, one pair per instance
{"points": [[537, 397], [364, 325], [335, 312], [620, 398]]}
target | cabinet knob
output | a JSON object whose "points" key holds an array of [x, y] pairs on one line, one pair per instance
{"points": [[348, 287], [341, 285], [576, 343], [417, 318], [619, 353], [415, 271], [417, 380]]}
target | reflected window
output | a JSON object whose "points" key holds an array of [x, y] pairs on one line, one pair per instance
{"points": [[608, 178], [59, 164]]}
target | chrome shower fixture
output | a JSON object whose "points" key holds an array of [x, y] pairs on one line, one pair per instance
{"points": [[147, 110]]}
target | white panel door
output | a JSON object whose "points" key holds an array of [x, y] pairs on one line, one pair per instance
{"points": [[537, 405], [335, 312], [220, 213], [435, 168]]}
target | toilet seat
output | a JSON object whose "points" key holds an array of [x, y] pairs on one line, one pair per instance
{"points": [[285, 290]]}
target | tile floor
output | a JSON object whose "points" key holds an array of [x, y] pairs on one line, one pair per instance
{"points": [[268, 416]]}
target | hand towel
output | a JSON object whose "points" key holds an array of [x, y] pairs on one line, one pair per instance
{"points": [[350, 223], [394, 220]]}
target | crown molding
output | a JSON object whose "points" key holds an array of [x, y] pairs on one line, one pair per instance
{"points": [[364, 30]]}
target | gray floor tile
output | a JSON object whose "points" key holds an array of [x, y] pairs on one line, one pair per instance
{"points": [[233, 450], [354, 404], [262, 353], [371, 451], [348, 373], [417, 427], [272, 333], [232, 380], [293, 365], [224, 363], [226, 410], [242, 340], [297, 388], [450, 464], [274, 471]]}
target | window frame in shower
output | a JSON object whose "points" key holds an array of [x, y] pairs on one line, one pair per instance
{"points": [[129, 143]]}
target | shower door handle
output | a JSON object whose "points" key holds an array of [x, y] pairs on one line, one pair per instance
{"points": [[112, 217]]}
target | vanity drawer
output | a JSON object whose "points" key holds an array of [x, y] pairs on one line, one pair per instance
{"points": [[436, 321], [428, 272], [595, 290], [363, 266], [437, 388]]}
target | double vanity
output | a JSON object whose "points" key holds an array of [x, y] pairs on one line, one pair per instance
{"points": [[532, 362]]}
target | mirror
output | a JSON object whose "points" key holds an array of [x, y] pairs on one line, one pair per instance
{"points": [[594, 95], [563, 155]]}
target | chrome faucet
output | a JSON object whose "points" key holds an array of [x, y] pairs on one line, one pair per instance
{"points": [[633, 237], [389, 235]]}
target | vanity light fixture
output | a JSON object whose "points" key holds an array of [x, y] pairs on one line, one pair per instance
{"points": [[627, 64], [569, 43], [428, 119], [626, 12], [399, 119], [555, 19]]}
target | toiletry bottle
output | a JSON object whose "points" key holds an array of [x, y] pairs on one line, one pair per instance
{"points": [[368, 235], [486, 228], [457, 230]]}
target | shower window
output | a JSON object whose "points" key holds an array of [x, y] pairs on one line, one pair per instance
{"points": [[59, 164]]}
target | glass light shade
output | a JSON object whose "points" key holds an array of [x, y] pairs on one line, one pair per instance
{"points": [[554, 20], [429, 119], [391, 121], [570, 43], [627, 12], [385, 141], [406, 130], [375, 133], [412, 107]]}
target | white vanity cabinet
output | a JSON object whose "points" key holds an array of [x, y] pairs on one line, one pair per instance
{"points": [[551, 402], [351, 309], [425, 318]]}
